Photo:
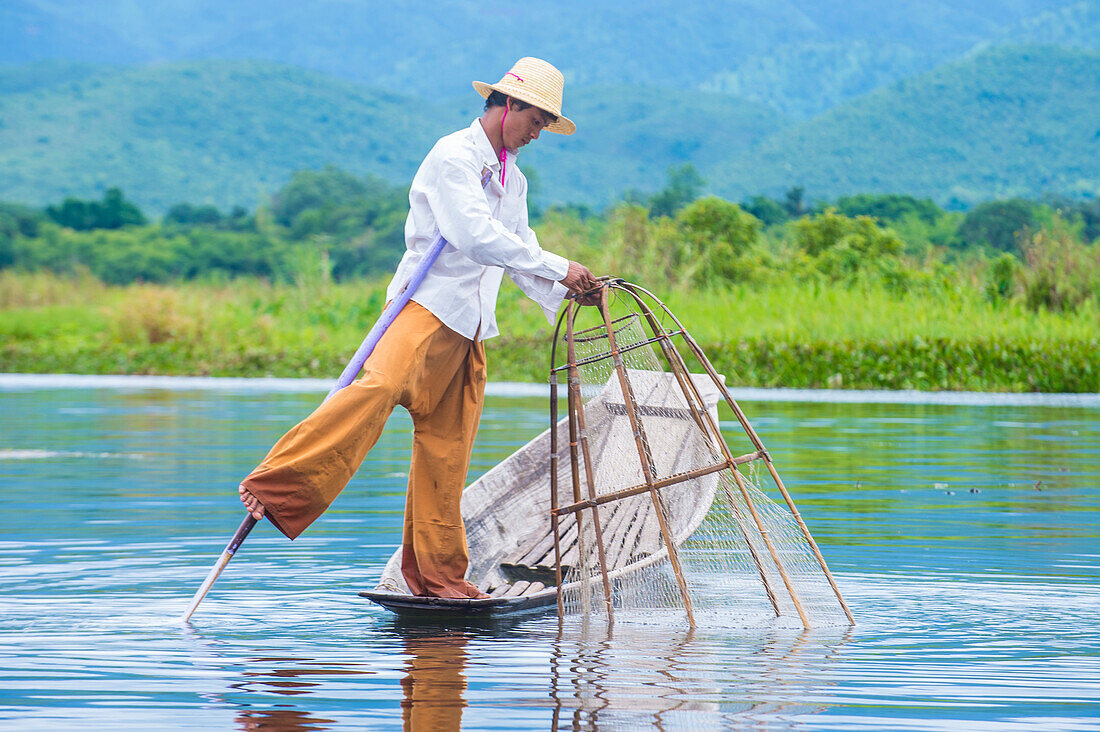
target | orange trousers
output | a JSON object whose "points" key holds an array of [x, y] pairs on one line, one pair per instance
{"points": [[439, 376]]}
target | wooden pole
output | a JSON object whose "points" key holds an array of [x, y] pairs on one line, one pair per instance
{"points": [[729, 457], [771, 547], [574, 465], [707, 426], [710, 370], [554, 484], [757, 520], [643, 456], [778, 481], [809, 538], [775, 477], [643, 488], [554, 465], [227, 554], [752, 549], [577, 410]]}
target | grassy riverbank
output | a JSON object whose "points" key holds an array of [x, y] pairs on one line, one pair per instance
{"points": [[792, 334]]}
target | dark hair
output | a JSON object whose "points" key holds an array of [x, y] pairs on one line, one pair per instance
{"points": [[500, 99]]}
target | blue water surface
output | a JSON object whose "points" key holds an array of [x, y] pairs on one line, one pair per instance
{"points": [[965, 537]]}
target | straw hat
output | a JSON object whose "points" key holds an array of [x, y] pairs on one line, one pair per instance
{"points": [[536, 82]]}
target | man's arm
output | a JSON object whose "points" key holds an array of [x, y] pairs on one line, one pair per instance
{"points": [[464, 219], [577, 278]]}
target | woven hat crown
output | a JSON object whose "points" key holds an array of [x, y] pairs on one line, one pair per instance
{"points": [[538, 83]]}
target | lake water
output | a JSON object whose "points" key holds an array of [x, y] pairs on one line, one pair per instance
{"points": [[965, 537]]}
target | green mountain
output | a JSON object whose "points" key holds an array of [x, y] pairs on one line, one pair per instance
{"points": [[628, 137], [1003, 122], [1073, 25], [42, 74], [34, 30], [229, 132], [223, 133], [799, 56], [805, 78]]}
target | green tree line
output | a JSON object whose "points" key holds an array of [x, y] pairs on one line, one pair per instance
{"points": [[331, 224], [1044, 253], [350, 226]]}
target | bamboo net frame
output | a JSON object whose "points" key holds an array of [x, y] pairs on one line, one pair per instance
{"points": [[586, 499]]}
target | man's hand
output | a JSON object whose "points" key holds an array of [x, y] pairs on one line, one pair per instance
{"points": [[579, 279]]}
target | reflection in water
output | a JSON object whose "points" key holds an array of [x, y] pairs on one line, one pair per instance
{"points": [[281, 720], [626, 676], [591, 662], [435, 685], [286, 677]]}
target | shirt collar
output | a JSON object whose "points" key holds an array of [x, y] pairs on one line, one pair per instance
{"points": [[482, 144], [485, 148]]}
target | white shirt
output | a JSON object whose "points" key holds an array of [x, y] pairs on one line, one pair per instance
{"points": [[487, 235]]}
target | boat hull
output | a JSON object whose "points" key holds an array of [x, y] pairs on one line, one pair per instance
{"points": [[445, 607]]}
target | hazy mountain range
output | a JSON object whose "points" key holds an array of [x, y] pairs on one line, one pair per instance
{"points": [[219, 102]]}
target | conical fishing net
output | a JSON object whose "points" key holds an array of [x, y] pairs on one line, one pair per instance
{"points": [[660, 510]]}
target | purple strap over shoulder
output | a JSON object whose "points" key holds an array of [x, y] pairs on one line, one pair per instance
{"points": [[390, 313]]}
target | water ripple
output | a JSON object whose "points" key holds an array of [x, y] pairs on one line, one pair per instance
{"points": [[976, 609]]}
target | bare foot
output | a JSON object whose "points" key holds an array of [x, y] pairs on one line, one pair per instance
{"points": [[474, 593], [251, 503], [466, 592]]}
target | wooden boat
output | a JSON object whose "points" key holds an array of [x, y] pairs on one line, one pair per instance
{"points": [[507, 510]]}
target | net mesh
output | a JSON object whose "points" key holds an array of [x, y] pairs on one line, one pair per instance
{"points": [[736, 548]]}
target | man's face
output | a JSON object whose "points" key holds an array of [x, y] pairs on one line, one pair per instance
{"points": [[523, 125]]}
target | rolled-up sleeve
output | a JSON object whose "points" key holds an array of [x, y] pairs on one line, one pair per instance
{"points": [[466, 222]]}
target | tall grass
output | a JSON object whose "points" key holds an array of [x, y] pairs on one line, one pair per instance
{"points": [[803, 311], [789, 333]]}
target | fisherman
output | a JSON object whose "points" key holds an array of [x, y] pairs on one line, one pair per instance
{"points": [[432, 359]]}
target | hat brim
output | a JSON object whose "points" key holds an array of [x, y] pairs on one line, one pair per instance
{"points": [[562, 125]]}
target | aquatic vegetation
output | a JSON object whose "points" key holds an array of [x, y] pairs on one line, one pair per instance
{"points": [[791, 334]]}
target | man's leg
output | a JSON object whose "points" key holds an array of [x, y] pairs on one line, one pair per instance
{"points": [[445, 417], [311, 464]]}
